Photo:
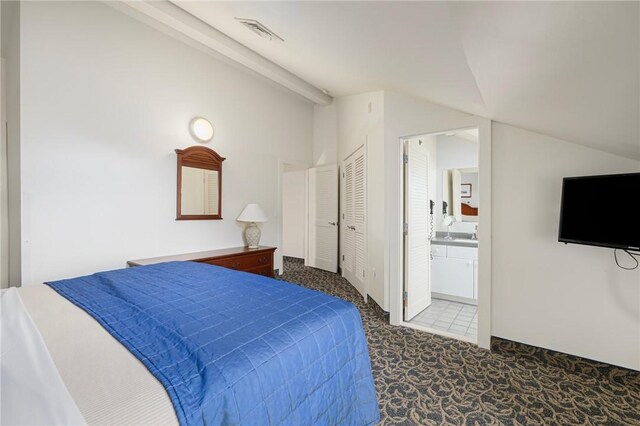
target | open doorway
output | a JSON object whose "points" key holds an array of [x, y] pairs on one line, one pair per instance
{"points": [[441, 214], [308, 225], [294, 212]]}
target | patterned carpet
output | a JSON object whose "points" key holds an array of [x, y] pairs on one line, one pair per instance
{"points": [[424, 379]]}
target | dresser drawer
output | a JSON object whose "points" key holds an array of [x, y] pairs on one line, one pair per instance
{"points": [[243, 263], [267, 271], [258, 261]]}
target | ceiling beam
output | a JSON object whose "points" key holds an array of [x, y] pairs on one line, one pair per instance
{"points": [[194, 28]]}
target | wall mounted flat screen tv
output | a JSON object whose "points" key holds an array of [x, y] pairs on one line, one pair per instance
{"points": [[601, 211]]}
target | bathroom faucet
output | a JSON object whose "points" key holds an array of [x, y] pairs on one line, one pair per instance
{"points": [[448, 221]]}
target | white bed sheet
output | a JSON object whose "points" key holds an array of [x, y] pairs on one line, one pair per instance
{"points": [[31, 389], [109, 385]]}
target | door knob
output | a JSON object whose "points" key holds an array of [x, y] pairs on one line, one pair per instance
{"points": [[333, 223]]}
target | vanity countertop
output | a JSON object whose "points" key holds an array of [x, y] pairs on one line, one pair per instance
{"points": [[460, 242]]}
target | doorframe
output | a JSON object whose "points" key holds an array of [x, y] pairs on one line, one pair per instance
{"points": [[484, 227], [4, 209], [282, 163]]}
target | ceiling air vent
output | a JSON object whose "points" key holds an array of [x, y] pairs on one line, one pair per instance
{"points": [[259, 29]]}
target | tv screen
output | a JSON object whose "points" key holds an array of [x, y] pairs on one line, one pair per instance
{"points": [[601, 211]]}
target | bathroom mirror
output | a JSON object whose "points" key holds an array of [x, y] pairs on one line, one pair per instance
{"points": [[461, 192], [469, 194], [450, 181], [199, 189]]}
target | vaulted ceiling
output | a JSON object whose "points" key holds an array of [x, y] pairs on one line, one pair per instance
{"points": [[566, 69]]}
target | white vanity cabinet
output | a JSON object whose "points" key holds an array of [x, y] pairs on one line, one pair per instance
{"points": [[439, 274], [475, 279], [453, 271]]}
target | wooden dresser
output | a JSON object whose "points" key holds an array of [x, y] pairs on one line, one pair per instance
{"points": [[257, 261]]}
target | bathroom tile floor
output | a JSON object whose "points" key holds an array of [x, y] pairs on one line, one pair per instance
{"points": [[452, 317]]}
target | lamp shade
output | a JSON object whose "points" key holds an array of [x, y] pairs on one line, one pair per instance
{"points": [[252, 213]]}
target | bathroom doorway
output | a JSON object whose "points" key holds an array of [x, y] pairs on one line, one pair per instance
{"points": [[440, 232]]}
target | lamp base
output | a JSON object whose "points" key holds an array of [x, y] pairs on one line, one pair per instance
{"points": [[252, 235]]}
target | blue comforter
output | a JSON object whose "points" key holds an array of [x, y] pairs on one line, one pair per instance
{"points": [[236, 348]]}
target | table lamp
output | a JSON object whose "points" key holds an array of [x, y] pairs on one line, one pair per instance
{"points": [[251, 214]]}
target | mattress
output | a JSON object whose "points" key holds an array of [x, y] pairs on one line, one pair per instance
{"points": [[309, 353], [109, 385], [232, 347]]}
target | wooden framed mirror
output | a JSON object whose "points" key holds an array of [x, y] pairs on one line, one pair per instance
{"points": [[199, 184]]}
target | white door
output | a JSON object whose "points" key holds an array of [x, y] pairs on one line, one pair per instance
{"points": [[354, 224], [323, 218], [417, 251]]}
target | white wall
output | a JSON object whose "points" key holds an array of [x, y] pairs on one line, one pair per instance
{"points": [[105, 101], [403, 116], [569, 298], [378, 119], [325, 134], [293, 213], [10, 262], [456, 153], [360, 121], [472, 200], [339, 130], [4, 223]]}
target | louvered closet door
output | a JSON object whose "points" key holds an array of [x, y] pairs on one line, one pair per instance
{"points": [[417, 252], [323, 218], [354, 219], [348, 237], [359, 206]]}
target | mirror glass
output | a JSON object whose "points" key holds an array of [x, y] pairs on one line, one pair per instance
{"points": [[461, 192], [199, 191], [469, 195]]}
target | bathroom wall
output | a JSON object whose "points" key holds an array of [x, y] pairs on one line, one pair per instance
{"points": [[453, 152], [473, 199]]}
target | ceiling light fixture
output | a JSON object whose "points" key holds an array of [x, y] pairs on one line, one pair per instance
{"points": [[259, 28]]}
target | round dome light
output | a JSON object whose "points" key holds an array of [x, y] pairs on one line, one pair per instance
{"points": [[201, 129]]}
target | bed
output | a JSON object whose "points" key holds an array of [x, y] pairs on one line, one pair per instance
{"points": [[189, 343]]}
